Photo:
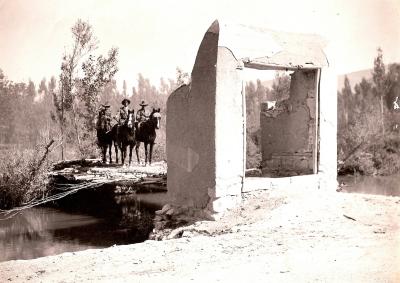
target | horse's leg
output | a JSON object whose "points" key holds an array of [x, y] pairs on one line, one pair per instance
{"points": [[151, 152], [109, 151], [116, 151], [137, 151], [123, 154], [145, 153], [104, 153], [130, 153]]}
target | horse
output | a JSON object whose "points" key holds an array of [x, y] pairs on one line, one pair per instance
{"points": [[104, 136], [123, 137], [147, 134]]}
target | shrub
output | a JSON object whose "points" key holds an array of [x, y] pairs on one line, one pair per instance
{"points": [[23, 177], [253, 153]]}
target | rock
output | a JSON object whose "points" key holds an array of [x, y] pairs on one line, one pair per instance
{"points": [[158, 218], [175, 234], [166, 208]]}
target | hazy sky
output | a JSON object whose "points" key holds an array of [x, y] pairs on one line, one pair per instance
{"points": [[154, 37]]}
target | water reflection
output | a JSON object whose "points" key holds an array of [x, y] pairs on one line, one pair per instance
{"points": [[81, 224], [377, 185], [31, 233]]}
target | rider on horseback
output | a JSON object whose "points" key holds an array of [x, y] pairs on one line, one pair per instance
{"points": [[104, 115], [123, 112], [141, 115]]}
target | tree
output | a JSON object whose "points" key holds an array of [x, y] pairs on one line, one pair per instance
{"points": [[31, 91], [347, 94], [182, 77], [97, 74], [380, 83], [78, 96], [280, 87], [393, 79], [124, 88], [165, 87], [6, 113], [84, 42]]}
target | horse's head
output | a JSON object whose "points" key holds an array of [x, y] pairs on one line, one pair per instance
{"points": [[155, 117], [131, 119]]}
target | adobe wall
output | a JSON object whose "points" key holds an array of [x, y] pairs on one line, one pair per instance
{"points": [[229, 134], [328, 129], [206, 131], [205, 127], [191, 131], [288, 131]]}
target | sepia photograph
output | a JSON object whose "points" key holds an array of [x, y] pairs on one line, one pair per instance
{"points": [[199, 141]]}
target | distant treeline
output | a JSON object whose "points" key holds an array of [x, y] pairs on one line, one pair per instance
{"points": [[28, 112], [65, 107]]}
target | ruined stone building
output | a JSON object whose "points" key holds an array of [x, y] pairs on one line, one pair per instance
{"points": [[206, 120]]}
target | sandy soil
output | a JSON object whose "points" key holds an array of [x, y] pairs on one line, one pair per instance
{"points": [[275, 236]]}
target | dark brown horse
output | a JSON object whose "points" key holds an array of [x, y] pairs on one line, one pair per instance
{"points": [[147, 134], [123, 137], [104, 136]]}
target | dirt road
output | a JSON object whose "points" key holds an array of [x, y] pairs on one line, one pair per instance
{"points": [[275, 236]]}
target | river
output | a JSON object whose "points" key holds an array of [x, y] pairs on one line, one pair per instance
{"points": [[377, 185], [78, 223]]}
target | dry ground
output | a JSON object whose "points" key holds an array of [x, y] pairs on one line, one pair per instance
{"points": [[275, 236]]}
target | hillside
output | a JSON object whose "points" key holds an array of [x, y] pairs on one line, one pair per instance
{"points": [[354, 77]]}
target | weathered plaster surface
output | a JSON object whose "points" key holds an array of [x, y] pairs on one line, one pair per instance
{"points": [[229, 139], [191, 130], [288, 136], [328, 129]]}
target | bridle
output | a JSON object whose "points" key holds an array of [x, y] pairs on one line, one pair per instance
{"points": [[156, 117], [130, 120]]}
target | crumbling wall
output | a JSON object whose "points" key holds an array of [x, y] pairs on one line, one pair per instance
{"points": [[288, 131]]}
